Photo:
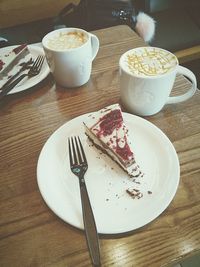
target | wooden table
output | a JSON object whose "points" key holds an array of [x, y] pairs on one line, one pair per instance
{"points": [[30, 233]]}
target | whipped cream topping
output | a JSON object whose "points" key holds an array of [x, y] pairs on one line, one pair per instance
{"points": [[149, 61], [67, 40]]}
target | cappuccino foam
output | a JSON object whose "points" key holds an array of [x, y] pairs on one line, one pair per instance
{"points": [[67, 40], [149, 61]]}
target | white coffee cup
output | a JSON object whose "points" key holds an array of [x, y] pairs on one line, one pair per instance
{"points": [[147, 76], [69, 53]]}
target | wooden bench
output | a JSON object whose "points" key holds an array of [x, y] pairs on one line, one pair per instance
{"points": [[188, 54]]}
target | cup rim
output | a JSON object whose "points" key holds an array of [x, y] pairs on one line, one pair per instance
{"points": [[67, 29], [148, 77]]}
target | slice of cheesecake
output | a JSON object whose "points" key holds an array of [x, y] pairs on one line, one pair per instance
{"points": [[9, 57], [108, 132]]}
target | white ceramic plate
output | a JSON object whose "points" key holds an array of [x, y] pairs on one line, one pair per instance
{"points": [[114, 210], [26, 83]]}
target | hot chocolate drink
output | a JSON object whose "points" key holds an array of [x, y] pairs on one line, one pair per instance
{"points": [[149, 61], [67, 40]]}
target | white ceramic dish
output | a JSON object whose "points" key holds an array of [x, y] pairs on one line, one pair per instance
{"points": [[114, 210], [26, 83]]}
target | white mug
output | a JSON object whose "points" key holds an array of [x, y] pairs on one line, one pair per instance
{"points": [[70, 60], [147, 76]]}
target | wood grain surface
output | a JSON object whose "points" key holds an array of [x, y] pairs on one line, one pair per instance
{"points": [[30, 233]]}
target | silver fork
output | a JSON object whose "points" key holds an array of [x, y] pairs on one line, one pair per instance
{"points": [[79, 166], [34, 70], [23, 66]]}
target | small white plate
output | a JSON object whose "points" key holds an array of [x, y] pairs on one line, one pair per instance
{"points": [[114, 210], [26, 83]]}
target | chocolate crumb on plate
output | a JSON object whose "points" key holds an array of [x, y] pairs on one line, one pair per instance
{"points": [[134, 193]]}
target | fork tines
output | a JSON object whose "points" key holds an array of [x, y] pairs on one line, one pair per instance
{"points": [[76, 152], [38, 62]]}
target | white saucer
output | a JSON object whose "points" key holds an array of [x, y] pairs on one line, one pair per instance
{"points": [[26, 83], [114, 210]]}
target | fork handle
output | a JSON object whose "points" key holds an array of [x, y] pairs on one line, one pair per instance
{"points": [[11, 86], [11, 79], [89, 224]]}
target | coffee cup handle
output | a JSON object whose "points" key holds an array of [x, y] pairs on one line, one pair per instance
{"points": [[95, 45], [189, 74]]}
